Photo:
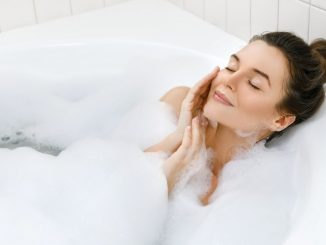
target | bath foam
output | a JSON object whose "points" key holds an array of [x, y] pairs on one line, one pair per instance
{"points": [[252, 205], [76, 104], [198, 171], [63, 119], [146, 123], [53, 113], [245, 134], [91, 193], [254, 199], [82, 191], [83, 195]]}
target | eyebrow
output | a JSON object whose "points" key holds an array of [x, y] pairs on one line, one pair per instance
{"points": [[254, 69]]}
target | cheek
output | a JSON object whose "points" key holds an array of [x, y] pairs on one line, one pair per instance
{"points": [[256, 108]]}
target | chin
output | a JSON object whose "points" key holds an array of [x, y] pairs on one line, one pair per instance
{"points": [[212, 123]]}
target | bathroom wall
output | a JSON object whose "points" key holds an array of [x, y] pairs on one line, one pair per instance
{"points": [[244, 18], [19, 13]]}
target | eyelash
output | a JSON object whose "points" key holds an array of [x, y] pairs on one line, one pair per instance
{"points": [[253, 86]]}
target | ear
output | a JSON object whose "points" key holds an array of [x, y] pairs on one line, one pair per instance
{"points": [[283, 122]]}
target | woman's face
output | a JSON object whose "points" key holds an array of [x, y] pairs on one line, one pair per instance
{"points": [[252, 83]]}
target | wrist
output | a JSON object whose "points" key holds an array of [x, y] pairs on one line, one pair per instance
{"points": [[172, 168]]}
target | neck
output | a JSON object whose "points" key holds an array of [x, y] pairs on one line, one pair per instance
{"points": [[226, 142]]}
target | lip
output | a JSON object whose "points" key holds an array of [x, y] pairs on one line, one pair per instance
{"points": [[218, 96]]}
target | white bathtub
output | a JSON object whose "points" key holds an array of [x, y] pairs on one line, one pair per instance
{"points": [[68, 69], [75, 71]]}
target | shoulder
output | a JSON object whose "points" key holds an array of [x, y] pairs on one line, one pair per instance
{"points": [[175, 96]]}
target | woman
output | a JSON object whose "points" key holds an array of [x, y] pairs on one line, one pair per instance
{"points": [[273, 83]]}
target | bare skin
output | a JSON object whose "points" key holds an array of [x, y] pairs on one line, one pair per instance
{"points": [[241, 114]]}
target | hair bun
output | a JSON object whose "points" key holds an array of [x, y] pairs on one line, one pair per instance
{"points": [[318, 48], [319, 45]]}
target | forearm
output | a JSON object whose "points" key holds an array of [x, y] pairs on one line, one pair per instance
{"points": [[169, 144], [171, 167], [172, 170]]}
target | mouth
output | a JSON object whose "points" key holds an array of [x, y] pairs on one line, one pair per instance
{"points": [[218, 96]]}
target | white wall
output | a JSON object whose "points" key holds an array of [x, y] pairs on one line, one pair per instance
{"points": [[244, 18], [19, 13]]}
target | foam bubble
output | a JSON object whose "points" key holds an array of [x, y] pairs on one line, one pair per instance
{"points": [[245, 134], [83, 193], [64, 180], [197, 169], [248, 206], [82, 196]]}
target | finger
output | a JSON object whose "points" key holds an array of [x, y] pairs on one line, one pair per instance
{"points": [[199, 104], [202, 82], [200, 88], [196, 134], [203, 123], [187, 137], [196, 101], [206, 92], [211, 74], [200, 98], [203, 91]]}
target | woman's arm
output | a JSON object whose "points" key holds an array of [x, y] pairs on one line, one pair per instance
{"points": [[174, 98], [172, 168], [185, 101], [169, 145]]}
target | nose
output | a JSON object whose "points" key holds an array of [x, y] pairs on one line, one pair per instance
{"points": [[230, 85], [232, 80]]}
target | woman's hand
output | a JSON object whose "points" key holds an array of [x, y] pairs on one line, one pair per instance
{"points": [[194, 101], [193, 143]]}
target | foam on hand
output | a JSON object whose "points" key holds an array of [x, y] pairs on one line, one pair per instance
{"points": [[199, 165]]}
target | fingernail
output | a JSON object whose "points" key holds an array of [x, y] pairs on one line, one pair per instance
{"points": [[204, 123], [202, 117]]}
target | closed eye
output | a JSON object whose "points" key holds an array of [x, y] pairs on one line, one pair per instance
{"points": [[229, 69], [250, 83], [255, 87]]}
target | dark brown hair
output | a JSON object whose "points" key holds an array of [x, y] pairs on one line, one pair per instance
{"points": [[304, 92]]}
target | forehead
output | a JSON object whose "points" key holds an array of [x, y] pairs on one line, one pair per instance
{"points": [[266, 58]]}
